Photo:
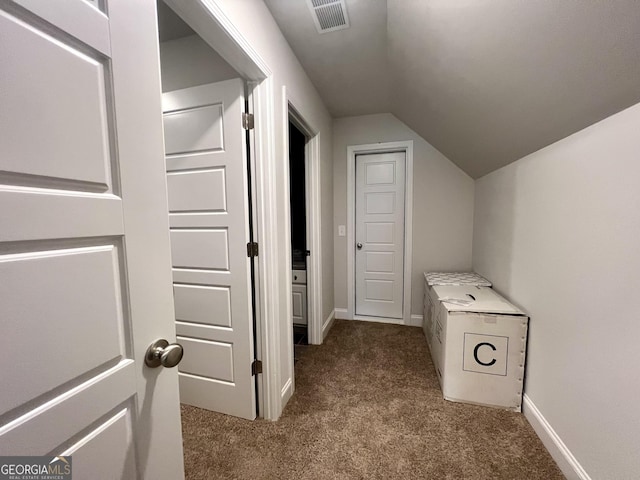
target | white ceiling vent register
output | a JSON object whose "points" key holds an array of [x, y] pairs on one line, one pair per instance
{"points": [[329, 15]]}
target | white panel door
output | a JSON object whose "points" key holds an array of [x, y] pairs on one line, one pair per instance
{"points": [[380, 182], [208, 214], [85, 278]]}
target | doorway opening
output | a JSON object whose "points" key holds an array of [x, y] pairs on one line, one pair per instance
{"points": [[274, 346], [207, 155], [217, 50], [304, 228], [298, 217]]}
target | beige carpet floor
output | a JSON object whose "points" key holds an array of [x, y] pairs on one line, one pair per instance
{"points": [[367, 406]]}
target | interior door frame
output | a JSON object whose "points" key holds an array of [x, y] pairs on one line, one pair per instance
{"points": [[313, 216], [386, 147], [208, 20]]}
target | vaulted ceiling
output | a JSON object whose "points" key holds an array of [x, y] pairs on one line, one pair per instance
{"points": [[170, 25], [484, 81]]}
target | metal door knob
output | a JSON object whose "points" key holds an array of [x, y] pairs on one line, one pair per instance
{"points": [[161, 353], [359, 246]]}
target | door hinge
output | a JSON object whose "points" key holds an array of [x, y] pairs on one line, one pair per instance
{"points": [[252, 249], [256, 367], [247, 121]]}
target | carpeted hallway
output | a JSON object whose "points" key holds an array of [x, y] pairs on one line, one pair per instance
{"points": [[367, 405]]}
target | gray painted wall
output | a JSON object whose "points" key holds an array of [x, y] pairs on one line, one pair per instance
{"points": [[442, 202], [558, 232], [189, 61]]}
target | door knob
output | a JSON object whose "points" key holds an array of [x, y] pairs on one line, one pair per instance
{"points": [[359, 246], [161, 353]]}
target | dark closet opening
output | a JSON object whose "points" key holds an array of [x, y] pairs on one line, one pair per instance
{"points": [[298, 198]]}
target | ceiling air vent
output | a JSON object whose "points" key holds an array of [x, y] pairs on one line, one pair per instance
{"points": [[329, 15]]}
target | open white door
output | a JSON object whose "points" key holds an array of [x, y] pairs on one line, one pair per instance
{"points": [[209, 216], [380, 185], [85, 280]]}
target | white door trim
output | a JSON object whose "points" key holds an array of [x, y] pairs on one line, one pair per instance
{"points": [[214, 27], [314, 265], [313, 214], [352, 151]]}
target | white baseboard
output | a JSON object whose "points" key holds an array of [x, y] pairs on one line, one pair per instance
{"points": [[553, 443], [286, 392], [341, 314], [415, 321], [328, 323]]}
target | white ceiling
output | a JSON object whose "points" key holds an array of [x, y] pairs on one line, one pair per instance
{"points": [[348, 67], [484, 81]]}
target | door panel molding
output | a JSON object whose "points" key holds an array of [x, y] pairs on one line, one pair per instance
{"points": [[352, 152], [86, 261]]}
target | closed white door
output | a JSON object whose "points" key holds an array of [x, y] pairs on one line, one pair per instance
{"points": [[208, 214], [85, 279], [380, 183]]}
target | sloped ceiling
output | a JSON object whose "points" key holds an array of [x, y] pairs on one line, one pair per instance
{"points": [[484, 81], [170, 25]]}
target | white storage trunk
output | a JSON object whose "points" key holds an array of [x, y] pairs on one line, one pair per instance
{"points": [[430, 300], [479, 349]]}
